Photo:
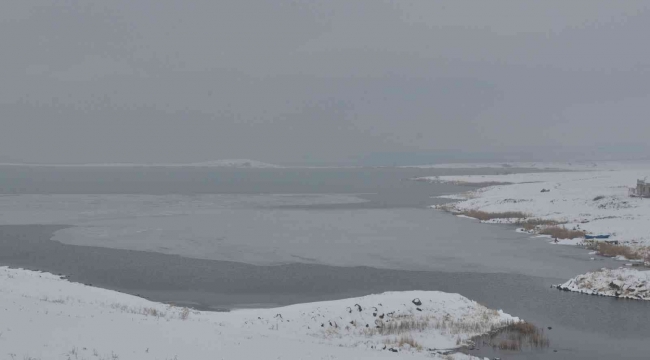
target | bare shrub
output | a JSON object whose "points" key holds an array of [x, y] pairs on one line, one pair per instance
{"points": [[53, 301], [532, 224], [484, 215], [185, 313], [402, 326], [560, 232], [517, 335], [148, 311], [408, 340], [522, 327], [509, 345], [152, 312], [613, 250]]}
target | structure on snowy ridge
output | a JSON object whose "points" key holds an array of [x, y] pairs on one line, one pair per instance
{"points": [[642, 189]]}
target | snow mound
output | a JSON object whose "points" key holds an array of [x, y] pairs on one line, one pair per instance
{"points": [[47, 317], [623, 282]]}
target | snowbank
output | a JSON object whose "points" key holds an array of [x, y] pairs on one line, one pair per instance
{"points": [[594, 201], [623, 282], [46, 317]]}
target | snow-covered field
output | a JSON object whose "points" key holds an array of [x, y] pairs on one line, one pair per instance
{"points": [[573, 166], [622, 282], [46, 317], [595, 201]]}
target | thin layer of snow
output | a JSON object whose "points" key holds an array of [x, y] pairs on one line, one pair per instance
{"points": [[573, 242], [594, 201], [454, 196], [231, 163], [46, 317], [622, 282], [573, 165]]}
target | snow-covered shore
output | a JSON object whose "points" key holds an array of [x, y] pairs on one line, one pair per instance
{"points": [[595, 201], [46, 317], [537, 165], [622, 282]]}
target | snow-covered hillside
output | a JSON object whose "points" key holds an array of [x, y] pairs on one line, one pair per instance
{"points": [[46, 317]]}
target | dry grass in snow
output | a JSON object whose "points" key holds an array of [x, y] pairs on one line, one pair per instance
{"points": [[596, 201], [560, 232], [622, 282], [46, 317]]}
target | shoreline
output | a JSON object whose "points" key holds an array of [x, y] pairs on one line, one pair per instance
{"points": [[516, 200]]}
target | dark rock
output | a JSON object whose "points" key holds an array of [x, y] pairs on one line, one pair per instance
{"points": [[417, 302]]}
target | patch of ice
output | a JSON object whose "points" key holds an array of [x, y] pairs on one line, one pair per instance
{"points": [[453, 197]]}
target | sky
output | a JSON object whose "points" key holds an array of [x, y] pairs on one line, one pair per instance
{"points": [[336, 82]]}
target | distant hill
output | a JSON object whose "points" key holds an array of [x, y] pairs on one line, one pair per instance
{"points": [[228, 163], [236, 163]]}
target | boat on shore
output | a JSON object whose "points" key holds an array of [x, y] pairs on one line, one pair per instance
{"points": [[594, 237]]}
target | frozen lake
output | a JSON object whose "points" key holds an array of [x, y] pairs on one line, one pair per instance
{"points": [[223, 238]]}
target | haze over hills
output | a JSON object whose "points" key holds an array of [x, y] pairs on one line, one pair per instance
{"points": [[227, 163]]}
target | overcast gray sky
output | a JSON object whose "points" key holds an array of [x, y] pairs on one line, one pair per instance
{"points": [[321, 81]]}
